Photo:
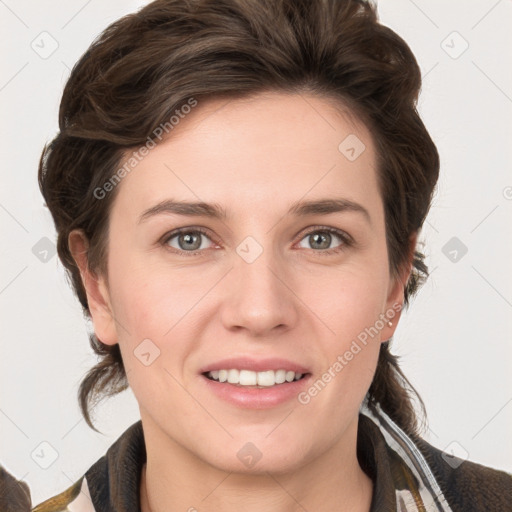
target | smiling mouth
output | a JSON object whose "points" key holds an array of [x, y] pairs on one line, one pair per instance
{"points": [[251, 379]]}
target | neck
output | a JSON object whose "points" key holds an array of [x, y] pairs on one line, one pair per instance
{"points": [[332, 481]]}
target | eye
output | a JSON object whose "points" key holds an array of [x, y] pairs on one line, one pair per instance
{"points": [[191, 241], [187, 240], [320, 239]]}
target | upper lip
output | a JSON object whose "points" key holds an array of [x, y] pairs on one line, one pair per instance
{"points": [[255, 365]]}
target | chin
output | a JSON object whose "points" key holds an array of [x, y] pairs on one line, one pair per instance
{"points": [[257, 456], [275, 464]]}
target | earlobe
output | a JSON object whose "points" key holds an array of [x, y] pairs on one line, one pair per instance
{"points": [[98, 297], [394, 305], [396, 294]]}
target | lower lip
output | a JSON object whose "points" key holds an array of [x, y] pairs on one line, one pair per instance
{"points": [[256, 398]]}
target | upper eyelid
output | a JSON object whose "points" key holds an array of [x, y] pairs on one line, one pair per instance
{"points": [[189, 229], [336, 231]]}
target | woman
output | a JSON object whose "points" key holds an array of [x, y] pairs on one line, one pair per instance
{"points": [[238, 188]]}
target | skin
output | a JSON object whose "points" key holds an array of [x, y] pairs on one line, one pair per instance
{"points": [[255, 157]]}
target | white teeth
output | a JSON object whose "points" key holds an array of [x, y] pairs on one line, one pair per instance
{"points": [[280, 376], [233, 376], [249, 378], [266, 378]]}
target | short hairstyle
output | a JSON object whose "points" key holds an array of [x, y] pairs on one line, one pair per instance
{"points": [[149, 64]]}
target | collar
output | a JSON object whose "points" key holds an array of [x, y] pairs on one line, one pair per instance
{"points": [[403, 480], [401, 476]]}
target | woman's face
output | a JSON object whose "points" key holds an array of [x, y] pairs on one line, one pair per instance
{"points": [[275, 278]]}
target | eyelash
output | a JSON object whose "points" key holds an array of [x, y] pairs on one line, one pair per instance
{"points": [[346, 240]]}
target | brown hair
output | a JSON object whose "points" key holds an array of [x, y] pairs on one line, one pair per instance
{"points": [[147, 65]]}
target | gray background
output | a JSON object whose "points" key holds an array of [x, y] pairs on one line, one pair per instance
{"points": [[455, 340]]}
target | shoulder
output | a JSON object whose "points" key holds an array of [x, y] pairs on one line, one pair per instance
{"points": [[76, 496], [14, 493], [468, 486], [96, 488], [15, 496]]}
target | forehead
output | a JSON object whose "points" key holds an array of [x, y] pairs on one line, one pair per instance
{"points": [[271, 147]]}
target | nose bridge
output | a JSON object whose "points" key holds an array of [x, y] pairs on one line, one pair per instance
{"points": [[258, 299]]}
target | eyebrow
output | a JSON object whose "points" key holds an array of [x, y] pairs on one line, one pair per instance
{"points": [[215, 211]]}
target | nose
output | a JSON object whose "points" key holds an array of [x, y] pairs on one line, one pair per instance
{"points": [[259, 297]]}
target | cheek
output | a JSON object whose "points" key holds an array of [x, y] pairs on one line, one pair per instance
{"points": [[347, 300], [152, 308], [350, 355], [153, 299], [349, 305], [156, 311]]}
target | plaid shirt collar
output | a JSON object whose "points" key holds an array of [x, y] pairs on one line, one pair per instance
{"points": [[403, 481]]}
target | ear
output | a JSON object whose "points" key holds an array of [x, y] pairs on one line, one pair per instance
{"points": [[396, 293], [96, 289]]}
